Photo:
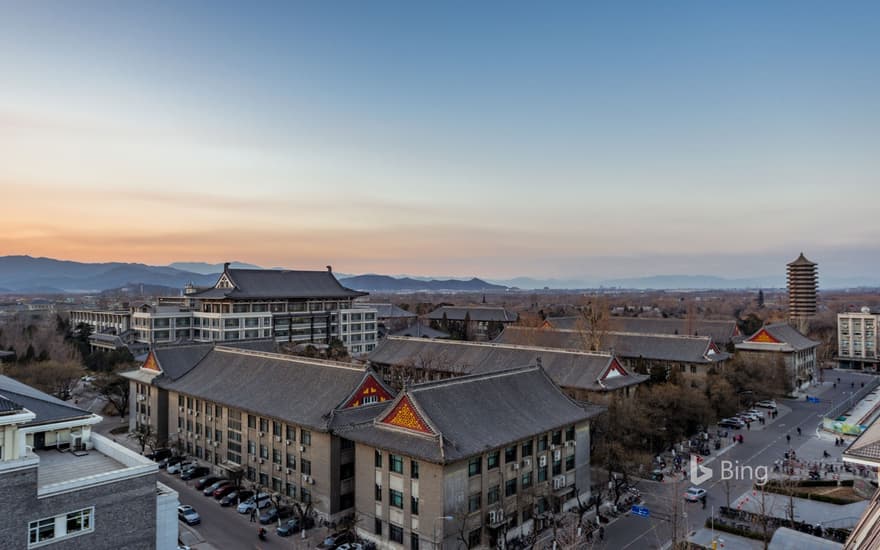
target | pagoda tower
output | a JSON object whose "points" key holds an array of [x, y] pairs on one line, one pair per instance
{"points": [[803, 284]]}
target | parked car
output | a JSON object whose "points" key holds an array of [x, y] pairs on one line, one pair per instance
{"points": [[259, 501], [159, 454], [350, 546], [188, 514], [209, 490], [178, 467], [194, 472], [222, 491], [232, 498], [694, 494], [747, 417], [293, 526], [207, 480], [274, 514], [165, 462], [756, 412], [734, 423], [767, 404], [336, 539]]}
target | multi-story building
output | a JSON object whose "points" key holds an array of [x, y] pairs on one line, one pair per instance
{"points": [[469, 461], [803, 284], [781, 342], [584, 376], [691, 357], [250, 304], [472, 322], [110, 322], [857, 339], [264, 416], [63, 486]]}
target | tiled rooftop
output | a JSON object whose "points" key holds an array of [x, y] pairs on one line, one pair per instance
{"points": [[58, 467]]}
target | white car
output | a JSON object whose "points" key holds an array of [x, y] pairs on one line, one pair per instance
{"points": [[748, 415], [694, 494], [768, 404], [179, 467], [756, 412]]}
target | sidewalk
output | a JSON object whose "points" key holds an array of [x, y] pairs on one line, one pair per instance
{"points": [[808, 511]]}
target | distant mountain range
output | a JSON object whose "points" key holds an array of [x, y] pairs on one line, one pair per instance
{"points": [[384, 283], [25, 274]]}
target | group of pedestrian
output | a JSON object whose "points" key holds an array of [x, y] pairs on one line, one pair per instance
{"points": [[839, 442]]}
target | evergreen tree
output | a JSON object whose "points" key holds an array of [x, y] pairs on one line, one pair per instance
{"points": [[760, 298]]}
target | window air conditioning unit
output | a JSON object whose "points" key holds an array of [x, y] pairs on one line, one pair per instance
{"points": [[552, 447], [515, 466], [253, 458], [288, 442], [569, 443], [305, 478], [557, 455], [262, 460], [141, 397], [302, 448], [311, 480], [527, 462], [190, 411], [197, 435], [262, 434], [278, 438], [197, 413], [180, 409], [208, 440], [559, 482], [278, 467], [542, 461], [289, 471], [209, 417], [216, 443]]}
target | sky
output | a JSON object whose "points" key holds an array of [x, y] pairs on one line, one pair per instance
{"points": [[494, 139]]}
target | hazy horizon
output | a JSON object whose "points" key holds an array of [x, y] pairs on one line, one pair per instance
{"points": [[554, 141]]}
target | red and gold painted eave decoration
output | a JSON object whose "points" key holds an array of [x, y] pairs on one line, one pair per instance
{"points": [[368, 388], [151, 364], [764, 337], [614, 366], [713, 347], [404, 415]]}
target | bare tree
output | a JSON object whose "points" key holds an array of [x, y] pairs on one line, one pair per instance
{"points": [[115, 389], [145, 436]]}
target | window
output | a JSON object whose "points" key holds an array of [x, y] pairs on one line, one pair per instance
{"points": [[264, 479], [305, 495], [527, 449], [290, 490], [526, 480], [395, 498], [42, 530], [291, 461], [413, 469], [396, 463], [474, 538], [542, 474], [377, 526], [252, 421], [395, 533], [276, 484], [569, 463], [264, 425], [264, 451], [276, 428], [492, 460], [557, 437], [378, 493], [251, 473], [291, 433], [305, 437], [474, 502], [414, 505], [414, 541], [557, 467], [510, 487], [276, 456], [378, 459], [474, 466], [569, 434], [306, 466], [510, 454], [542, 443]]}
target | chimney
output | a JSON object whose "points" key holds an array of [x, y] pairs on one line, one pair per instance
{"points": [[329, 269], [225, 267]]}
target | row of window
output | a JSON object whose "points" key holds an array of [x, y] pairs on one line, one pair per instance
{"points": [[395, 464], [493, 459], [47, 530]]}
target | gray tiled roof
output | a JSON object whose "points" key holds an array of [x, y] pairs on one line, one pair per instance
{"points": [[272, 283], [418, 330], [7, 405], [867, 445], [476, 313], [302, 391], [789, 335], [176, 361], [46, 407], [569, 369], [721, 332], [475, 414], [661, 347], [387, 311]]}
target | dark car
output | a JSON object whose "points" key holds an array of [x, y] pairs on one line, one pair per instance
{"points": [[223, 490], [293, 526], [336, 539], [165, 462], [274, 514], [194, 473], [159, 454], [188, 514], [208, 480], [209, 490], [232, 498]]}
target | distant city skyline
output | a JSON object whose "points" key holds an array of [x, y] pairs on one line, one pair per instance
{"points": [[495, 140]]}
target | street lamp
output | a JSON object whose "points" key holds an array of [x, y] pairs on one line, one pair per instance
{"points": [[434, 525]]}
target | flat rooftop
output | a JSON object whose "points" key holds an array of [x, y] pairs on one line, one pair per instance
{"points": [[60, 467]]}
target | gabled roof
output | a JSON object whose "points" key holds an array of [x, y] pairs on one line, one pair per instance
{"points": [[46, 407], [272, 283], [475, 313], [418, 330], [568, 368], [801, 260], [8, 406], [720, 331], [779, 337], [661, 347], [176, 361], [387, 311], [299, 390], [449, 420]]}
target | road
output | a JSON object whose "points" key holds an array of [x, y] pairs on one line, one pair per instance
{"points": [[761, 447]]}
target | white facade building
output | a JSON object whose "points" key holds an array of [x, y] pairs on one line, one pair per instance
{"points": [[857, 339]]}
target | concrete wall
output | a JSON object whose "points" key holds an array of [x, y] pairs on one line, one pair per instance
{"points": [[124, 517]]}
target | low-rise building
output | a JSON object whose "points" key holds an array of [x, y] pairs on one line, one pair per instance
{"points": [[472, 322], [63, 486], [693, 357], [722, 332], [389, 316], [584, 376], [857, 339], [782, 342], [468, 461], [864, 454]]}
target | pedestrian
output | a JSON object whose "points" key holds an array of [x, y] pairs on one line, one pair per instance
{"points": [[787, 438], [253, 515], [799, 431], [748, 426], [834, 385], [703, 500], [601, 533]]}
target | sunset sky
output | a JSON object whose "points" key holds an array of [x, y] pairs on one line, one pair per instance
{"points": [[467, 138]]}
